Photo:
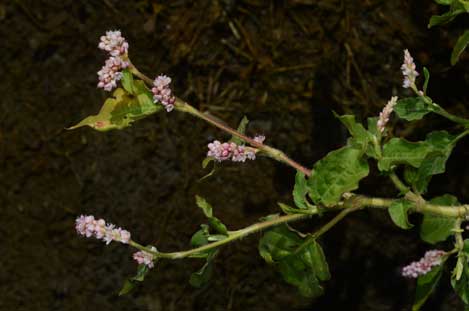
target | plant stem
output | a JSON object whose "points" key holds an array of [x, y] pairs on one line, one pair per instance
{"points": [[358, 202], [398, 183], [313, 237], [182, 106], [276, 154], [236, 235], [442, 112]]}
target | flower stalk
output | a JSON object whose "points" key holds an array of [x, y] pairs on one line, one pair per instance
{"points": [[346, 207]]}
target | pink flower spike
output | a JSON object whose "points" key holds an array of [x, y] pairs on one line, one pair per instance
{"points": [[408, 71], [145, 258], [384, 115], [415, 269], [230, 151], [111, 73], [88, 226], [162, 92], [114, 43]]}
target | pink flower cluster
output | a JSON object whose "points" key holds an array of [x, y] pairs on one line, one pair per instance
{"points": [[230, 151], [408, 70], [145, 258], [259, 138], [90, 227], [111, 73], [117, 47], [384, 115], [114, 43], [424, 265], [162, 92]]}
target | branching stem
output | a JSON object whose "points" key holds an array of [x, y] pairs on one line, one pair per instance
{"points": [[357, 202], [182, 106]]}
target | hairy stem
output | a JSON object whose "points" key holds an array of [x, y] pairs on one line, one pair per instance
{"points": [[182, 106], [356, 203], [398, 183], [313, 237], [276, 154], [235, 235]]}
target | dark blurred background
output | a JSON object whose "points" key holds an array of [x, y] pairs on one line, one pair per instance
{"points": [[284, 64]]}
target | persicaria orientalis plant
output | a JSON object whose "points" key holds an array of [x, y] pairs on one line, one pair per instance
{"points": [[326, 188]]}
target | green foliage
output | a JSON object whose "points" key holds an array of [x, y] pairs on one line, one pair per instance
{"points": [[426, 284], [438, 228], [441, 144], [426, 74], [338, 172], [429, 156], [121, 110], [241, 129], [456, 7], [301, 263], [132, 282], [203, 275], [214, 222], [400, 151], [412, 108], [300, 190], [460, 46], [360, 135], [461, 284], [398, 211]]}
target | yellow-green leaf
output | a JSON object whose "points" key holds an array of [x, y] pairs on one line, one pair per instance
{"points": [[120, 111]]}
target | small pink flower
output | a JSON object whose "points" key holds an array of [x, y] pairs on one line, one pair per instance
{"points": [[162, 92], [111, 73], [230, 151], [424, 265], [259, 138], [384, 115], [88, 226], [408, 70], [114, 43], [145, 258]]}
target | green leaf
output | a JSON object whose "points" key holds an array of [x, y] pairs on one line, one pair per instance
{"points": [[412, 108], [401, 151], [459, 47], [128, 81], [426, 74], [373, 127], [214, 222], [444, 18], [444, 2], [461, 286], [441, 144], [241, 129], [301, 263], [358, 132], [204, 274], [130, 283], [314, 256], [300, 190], [338, 172], [200, 238], [398, 211], [426, 284], [205, 163], [204, 205], [120, 111], [435, 228]]}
